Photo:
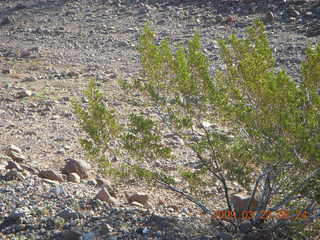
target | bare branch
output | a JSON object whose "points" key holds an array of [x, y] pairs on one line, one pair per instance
{"points": [[187, 196], [291, 195]]}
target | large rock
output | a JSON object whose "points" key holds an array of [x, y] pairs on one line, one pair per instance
{"points": [[68, 214], [7, 20], [18, 157], [102, 182], [77, 166], [51, 175], [13, 148], [15, 153], [104, 195], [72, 234], [74, 177], [240, 203], [137, 197], [31, 170], [13, 175], [14, 165]]}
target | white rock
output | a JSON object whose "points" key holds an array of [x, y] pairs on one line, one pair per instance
{"points": [[60, 190]]}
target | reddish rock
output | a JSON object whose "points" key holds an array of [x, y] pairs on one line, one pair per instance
{"points": [[31, 170], [17, 157], [14, 165], [104, 195], [231, 19], [77, 166], [102, 182], [137, 197], [51, 175]]}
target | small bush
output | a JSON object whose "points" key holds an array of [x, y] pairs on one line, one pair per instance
{"points": [[274, 120], [268, 131], [99, 124]]}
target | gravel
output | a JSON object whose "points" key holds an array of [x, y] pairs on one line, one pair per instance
{"points": [[48, 50]]}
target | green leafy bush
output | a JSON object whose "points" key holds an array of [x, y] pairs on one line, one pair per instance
{"points": [[105, 138], [266, 135], [274, 121], [99, 124]]}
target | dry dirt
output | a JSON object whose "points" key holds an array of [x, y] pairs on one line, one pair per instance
{"points": [[50, 48]]}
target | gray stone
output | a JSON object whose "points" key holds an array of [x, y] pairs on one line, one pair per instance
{"points": [[245, 227], [74, 177], [308, 14], [59, 189], [29, 79], [224, 236], [19, 213], [269, 17], [89, 236], [92, 182], [72, 234], [161, 222], [13, 175], [219, 18], [105, 228], [240, 202], [143, 231], [205, 124], [68, 214], [292, 12], [25, 93], [25, 54], [8, 20]]}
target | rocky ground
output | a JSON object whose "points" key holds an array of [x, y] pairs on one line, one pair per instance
{"points": [[48, 50]]}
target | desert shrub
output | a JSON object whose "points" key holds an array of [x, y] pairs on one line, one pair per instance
{"points": [[99, 124], [105, 137], [273, 120], [267, 125]]}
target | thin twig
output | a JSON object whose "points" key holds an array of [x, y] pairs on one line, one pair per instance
{"points": [[187, 196], [290, 196], [221, 177]]}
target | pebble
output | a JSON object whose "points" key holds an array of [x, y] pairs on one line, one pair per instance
{"points": [[103, 37]]}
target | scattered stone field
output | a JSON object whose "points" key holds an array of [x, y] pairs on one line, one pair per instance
{"points": [[48, 51]]}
